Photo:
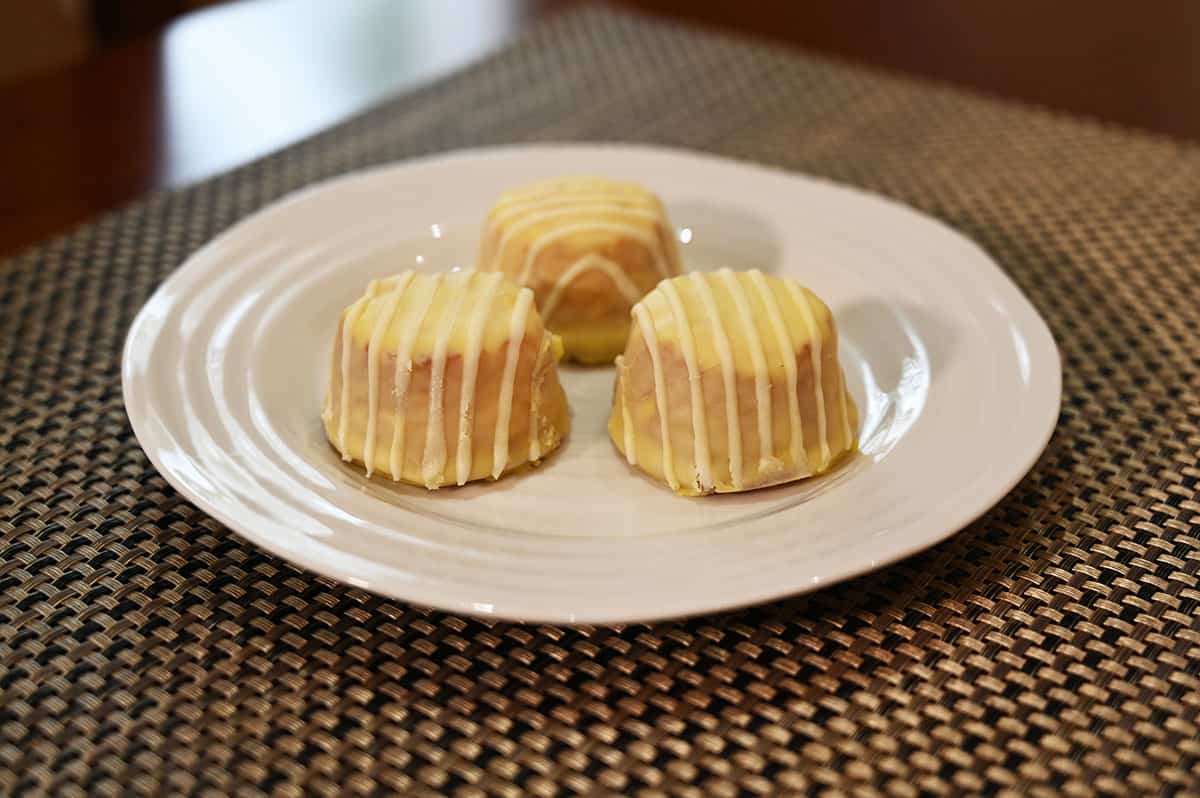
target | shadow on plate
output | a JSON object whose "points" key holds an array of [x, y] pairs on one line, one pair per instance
{"points": [[797, 492], [894, 330], [400, 494]]}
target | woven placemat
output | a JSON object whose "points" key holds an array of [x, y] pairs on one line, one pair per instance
{"points": [[1051, 648]]}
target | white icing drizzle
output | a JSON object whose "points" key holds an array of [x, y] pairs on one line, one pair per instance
{"points": [[787, 352], [728, 374], [558, 193], [389, 284], [403, 372], [544, 240], [433, 460], [552, 198], [516, 336], [591, 262], [348, 321], [700, 444], [479, 316], [374, 356], [801, 301], [554, 208], [626, 417], [762, 385], [646, 324]]}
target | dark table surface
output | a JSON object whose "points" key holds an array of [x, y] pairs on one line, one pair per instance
{"points": [[222, 86]]}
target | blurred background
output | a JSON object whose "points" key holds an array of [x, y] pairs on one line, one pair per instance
{"points": [[103, 100]]}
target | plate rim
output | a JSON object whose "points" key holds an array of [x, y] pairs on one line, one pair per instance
{"points": [[331, 565]]}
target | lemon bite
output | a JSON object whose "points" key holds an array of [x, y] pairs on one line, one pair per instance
{"points": [[441, 379], [589, 249], [730, 381]]}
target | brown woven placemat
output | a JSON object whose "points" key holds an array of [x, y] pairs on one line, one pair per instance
{"points": [[1051, 648]]}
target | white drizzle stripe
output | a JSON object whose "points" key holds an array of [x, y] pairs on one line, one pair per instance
{"points": [[374, 356], [517, 211], [433, 460], [529, 220], [788, 353], [700, 445], [562, 182], [519, 201], [555, 190], [403, 372], [592, 262], [466, 411], [762, 386], [728, 374], [544, 240], [389, 284], [646, 324], [801, 302], [550, 197], [626, 417], [348, 322], [516, 336]]}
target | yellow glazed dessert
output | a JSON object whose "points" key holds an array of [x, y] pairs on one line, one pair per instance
{"points": [[589, 248], [730, 382], [443, 379]]}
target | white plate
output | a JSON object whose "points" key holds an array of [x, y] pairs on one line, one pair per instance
{"points": [[956, 377]]}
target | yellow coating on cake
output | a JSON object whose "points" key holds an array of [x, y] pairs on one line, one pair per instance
{"points": [[589, 248], [730, 381], [444, 379]]}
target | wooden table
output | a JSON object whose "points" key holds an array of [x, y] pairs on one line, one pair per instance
{"points": [[225, 85]]}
